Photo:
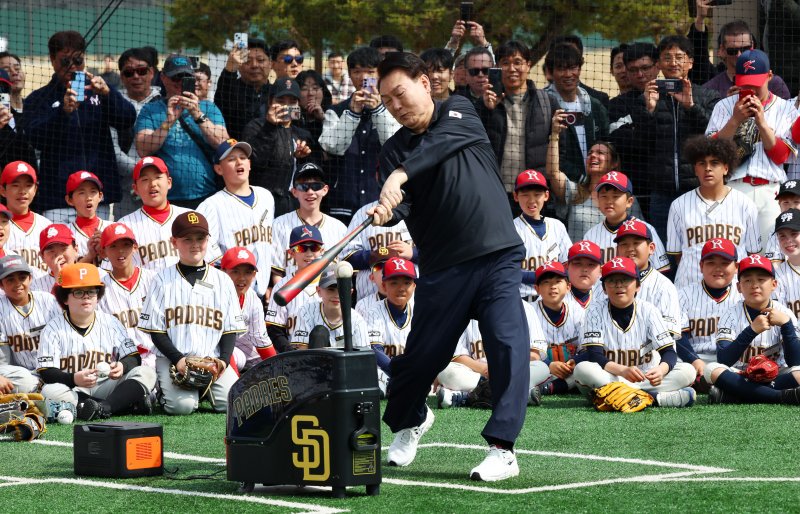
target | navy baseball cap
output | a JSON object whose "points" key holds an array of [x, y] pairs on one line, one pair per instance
{"points": [[285, 86], [309, 169], [228, 146], [633, 227], [178, 65], [752, 68], [305, 234], [550, 268], [617, 180], [328, 277]]}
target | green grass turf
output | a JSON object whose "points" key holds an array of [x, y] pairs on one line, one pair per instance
{"points": [[751, 440]]}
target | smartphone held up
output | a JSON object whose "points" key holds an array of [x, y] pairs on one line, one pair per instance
{"points": [[78, 84]]}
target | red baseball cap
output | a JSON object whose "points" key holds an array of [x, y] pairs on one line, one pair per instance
{"points": [[633, 227], [620, 266], [530, 178], [752, 68], [399, 267], [16, 169], [617, 180], [550, 268], [236, 256], [55, 233], [80, 177], [115, 232], [586, 249], [4, 211], [722, 247], [756, 261], [155, 162]]}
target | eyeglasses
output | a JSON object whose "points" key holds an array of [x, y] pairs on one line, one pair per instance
{"points": [[677, 59], [619, 281], [518, 63], [287, 59], [130, 72], [737, 50], [74, 61], [307, 247], [85, 293], [313, 186], [474, 72], [640, 69]]}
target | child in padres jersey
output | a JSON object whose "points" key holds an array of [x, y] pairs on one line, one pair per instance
{"points": [[711, 211], [57, 249], [18, 185], [73, 344], [305, 246], [84, 194], [192, 309], [703, 302], [787, 273], [614, 198], [127, 286], [620, 336], [583, 268], [328, 313], [389, 321], [253, 346], [23, 315], [545, 239], [377, 259], [240, 214], [788, 198], [309, 188], [754, 326]]}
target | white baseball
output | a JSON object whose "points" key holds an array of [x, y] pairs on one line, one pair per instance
{"points": [[103, 369], [65, 417]]}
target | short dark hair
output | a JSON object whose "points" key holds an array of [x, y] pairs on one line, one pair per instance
{"points": [[437, 58], [478, 50], [280, 46], [572, 39], [335, 54], [512, 47], [153, 55], [618, 50], [257, 42], [204, 69], [680, 42], [140, 54], [61, 293], [66, 39], [698, 147], [562, 55], [734, 28], [409, 63], [365, 57], [3, 55], [386, 41], [638, 50]]}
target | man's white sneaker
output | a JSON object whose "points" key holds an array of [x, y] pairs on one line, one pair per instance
{"points": [[499, 464], [404, 447], [681, 398]]}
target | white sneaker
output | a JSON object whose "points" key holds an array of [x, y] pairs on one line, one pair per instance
{"points": [[681, 398], [404, 447], [499, 464]]}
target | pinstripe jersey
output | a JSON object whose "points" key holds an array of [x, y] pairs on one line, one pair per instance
{"points": [[21, 330], [384, 330], [701, 312], [631, 346], [26, 243], [264, 259], [562, 336], [471, 342], [553, 246], [735, 319], [310, 315], [62, 346], [371, 238], [772, 250], [364, 305], [693, 221], [82, 238], [662, 294], [331, 229], [286, 316], [232, 222], [603, 237], [126, 305], [788, 290], [779, 115], [194, 317], [256, 335]]}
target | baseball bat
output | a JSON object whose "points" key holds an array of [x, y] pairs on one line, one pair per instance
{"points": [[344, 279], [303, 277]]}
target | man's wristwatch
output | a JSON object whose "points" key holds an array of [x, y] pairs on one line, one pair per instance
{"points": [[201, 119]]}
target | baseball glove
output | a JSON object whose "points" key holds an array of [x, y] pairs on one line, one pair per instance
{"points": [[200, 373], [745, 139], [481, 396], [618, 396], [761, 369], [20, 417]]}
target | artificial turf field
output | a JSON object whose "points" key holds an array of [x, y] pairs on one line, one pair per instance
{"points": [[723, 458]]}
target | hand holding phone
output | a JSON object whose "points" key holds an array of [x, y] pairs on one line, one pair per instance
{"points": [[496, 80], [466, 12], [240, 40], [188, 85], [369, 85], [78, 84]]}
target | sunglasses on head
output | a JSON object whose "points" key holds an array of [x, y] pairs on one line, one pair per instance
{"points": [[312, 186], [130, 72], [287, 59], [737, 50], [474, 72], [307, 247], [378, 267], [74, 61]]}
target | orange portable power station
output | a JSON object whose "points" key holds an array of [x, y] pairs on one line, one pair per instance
{"points": [[118, 450]]}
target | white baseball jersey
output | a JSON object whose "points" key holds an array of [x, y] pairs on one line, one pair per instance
{"points": [[264, 259], [26, 243], [772, 250], [62, 346], [43, 283], [561, 336], [471, 342], [126, 304], [232, 222], [571, 298], [769, 342], [693, 221], [780, 114], [194, 317], [662, 294], [788, 291], [286, 316], [371, 238], [364, 305], [603, 236], [256, 335], [310, 315], [384, 330], [331, 229], [701, 313], [553, 246], [82, 238], [21, 329], [629, 346]]}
